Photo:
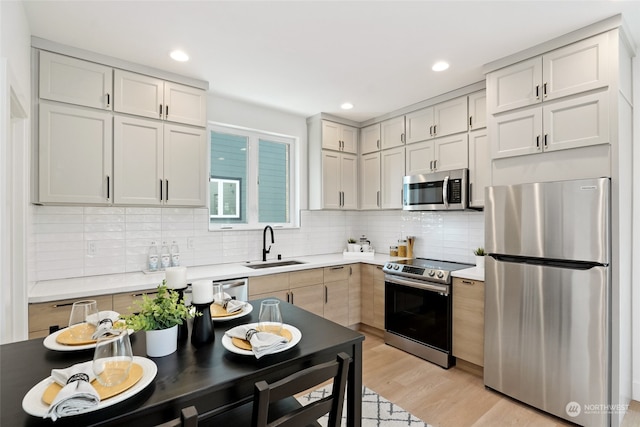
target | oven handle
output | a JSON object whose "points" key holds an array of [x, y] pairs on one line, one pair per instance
{"points": [[443, 289]]}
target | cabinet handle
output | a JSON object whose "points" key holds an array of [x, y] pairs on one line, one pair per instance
{"points": [[66, 304], [470, 188], [337, 268], [166, 111], [108, 100], [350, 271], [435, 165], [326, 295], [545, 139], [291, 297], [402, 139], [160, 190], [378, 198], [378, 144], [544, 89], [143, 293], [108, 187], [537, 91], [431, 165], [538, 142], [431, 130], [379, 267], [166, 194], [470, 121], [160, 115], [468, 282], [435, 130]]}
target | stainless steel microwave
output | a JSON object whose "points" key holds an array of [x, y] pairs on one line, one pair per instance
{"points": [[447, 190]]}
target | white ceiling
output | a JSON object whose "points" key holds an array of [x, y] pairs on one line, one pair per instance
{"points": [[307, 57]]}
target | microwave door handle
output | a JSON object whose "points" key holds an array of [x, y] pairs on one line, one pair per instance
{"points": [[445, 191]]}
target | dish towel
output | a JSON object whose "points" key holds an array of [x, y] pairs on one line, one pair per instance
{"points": [[77, 394], [262, 343], [105, 325], [228, 303]]}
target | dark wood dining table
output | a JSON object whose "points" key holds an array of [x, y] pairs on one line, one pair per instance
{"points": [[210, 377]]}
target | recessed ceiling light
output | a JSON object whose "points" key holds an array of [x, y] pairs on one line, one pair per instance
{"points": [[440, 66], [178, 55], [347, 106]]}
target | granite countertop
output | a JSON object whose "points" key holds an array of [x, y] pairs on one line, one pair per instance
{"points": [[60, 289], [474, 273]]}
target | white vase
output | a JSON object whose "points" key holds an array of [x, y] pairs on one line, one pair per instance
{"points": [[480, 261], [162, 342]]}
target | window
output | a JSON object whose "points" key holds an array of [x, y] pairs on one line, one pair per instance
{"points": [[251, 181]]}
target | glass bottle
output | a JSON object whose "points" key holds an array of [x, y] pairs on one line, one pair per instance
{"points": [[165, 256], [153, 257], [175, 254]]}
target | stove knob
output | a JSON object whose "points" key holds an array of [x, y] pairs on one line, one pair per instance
{"points": [[440, 274], [388, 266], [396, 267], [431, 273]]}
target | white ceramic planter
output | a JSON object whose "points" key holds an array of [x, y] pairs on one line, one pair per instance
{"points": [[480, 261], [162, 342], [353, 247]]}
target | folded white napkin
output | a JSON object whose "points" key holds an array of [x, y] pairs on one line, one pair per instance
{"points": [[262, 343], [229, 304], [76, 396], [105, 325]]}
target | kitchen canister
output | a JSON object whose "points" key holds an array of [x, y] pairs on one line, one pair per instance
{"points": [[402, 248], [393, 250]]}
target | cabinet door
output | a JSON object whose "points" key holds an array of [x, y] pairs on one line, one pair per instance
{"points": [[48, 317], [349, 139], [75, 155], [271, 284], [419, 158], [478, 110], [310, 298], [185, 104], [392, 174], [138, 94], [576, 122], [349, 181], [370, 139], [330, 135], [516, 134], [515, 86], [451, 152], [468, 320], [419, 125], [331, 197], [450, 117], [392, 132], [370, 181], [354, 294], [576, 68], [378, 298], [137, 161], [185, 166], [336, 302], [479, 167], [75, 81], [366, 294]]}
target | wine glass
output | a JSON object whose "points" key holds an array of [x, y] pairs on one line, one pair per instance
{"points": [[270, 318], [218, 293], [112, 358], [83, 319]]}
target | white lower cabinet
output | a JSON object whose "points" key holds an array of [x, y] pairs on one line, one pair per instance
{"points": [[370, 181], [392, 167], [74, 155], [156, 163]]}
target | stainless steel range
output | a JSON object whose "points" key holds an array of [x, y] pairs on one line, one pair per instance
{"points": [[418, 308]]}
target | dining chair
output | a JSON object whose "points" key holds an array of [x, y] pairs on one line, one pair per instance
{"points": [[188, 418], [275, 404]]}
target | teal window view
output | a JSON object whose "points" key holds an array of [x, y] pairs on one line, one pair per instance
{"points": [[250, 181]]}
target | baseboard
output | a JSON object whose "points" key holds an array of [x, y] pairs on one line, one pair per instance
{"points": [[469, 367], [369, 330]]}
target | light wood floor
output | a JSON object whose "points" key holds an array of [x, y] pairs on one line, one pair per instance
{"points": [[444, 397]]}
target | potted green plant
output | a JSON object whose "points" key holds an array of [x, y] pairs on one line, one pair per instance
{"points": [[159, 317], [479, 253]]}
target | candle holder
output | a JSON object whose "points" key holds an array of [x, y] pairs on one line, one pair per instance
{"points": [[183, 330], [202, 332]]}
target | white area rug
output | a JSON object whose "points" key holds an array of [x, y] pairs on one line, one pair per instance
{"points": [[376, 410]]}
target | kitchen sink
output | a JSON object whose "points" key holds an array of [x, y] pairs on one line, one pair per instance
{"points": [[273, 264]]}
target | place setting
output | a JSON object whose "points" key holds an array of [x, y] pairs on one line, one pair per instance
{"points": [[225, 307], [86, 325], [270, 335]]}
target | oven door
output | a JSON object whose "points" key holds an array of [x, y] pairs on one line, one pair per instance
{"points": [[419, 310]]}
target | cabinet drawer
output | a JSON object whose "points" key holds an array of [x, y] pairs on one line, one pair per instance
{"points": [[268, 284], [124, 303], [44, 315], [468, 320], [338, 272], [306, 277]]}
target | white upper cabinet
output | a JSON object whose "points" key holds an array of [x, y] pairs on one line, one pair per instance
{"points": [[74, 81], [370, 181], [392, 172], [446, 118], [447, 153], [185, 166], [516, 133], [339, 137], [74, 153], [419, 158], [370, 139], [479, 167], [147, 96], [392, 132], [478, 110], [339, 180], [572, 69]]}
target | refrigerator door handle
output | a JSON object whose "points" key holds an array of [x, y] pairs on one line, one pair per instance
{"points": [[569, 264]]}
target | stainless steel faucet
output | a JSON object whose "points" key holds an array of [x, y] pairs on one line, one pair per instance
{"points": [[265, 251]]}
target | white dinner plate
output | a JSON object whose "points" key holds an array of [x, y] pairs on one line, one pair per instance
{"points": [[296, 335], [248, 308], [33, 405], [51, 343]]}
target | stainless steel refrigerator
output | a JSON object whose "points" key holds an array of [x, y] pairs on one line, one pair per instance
{"points": [[547, 297]]}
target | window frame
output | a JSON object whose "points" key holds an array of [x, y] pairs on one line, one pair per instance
{"points": [[253, 137]]}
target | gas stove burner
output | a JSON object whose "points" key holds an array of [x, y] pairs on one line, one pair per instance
{"points": [[431, 270]]}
